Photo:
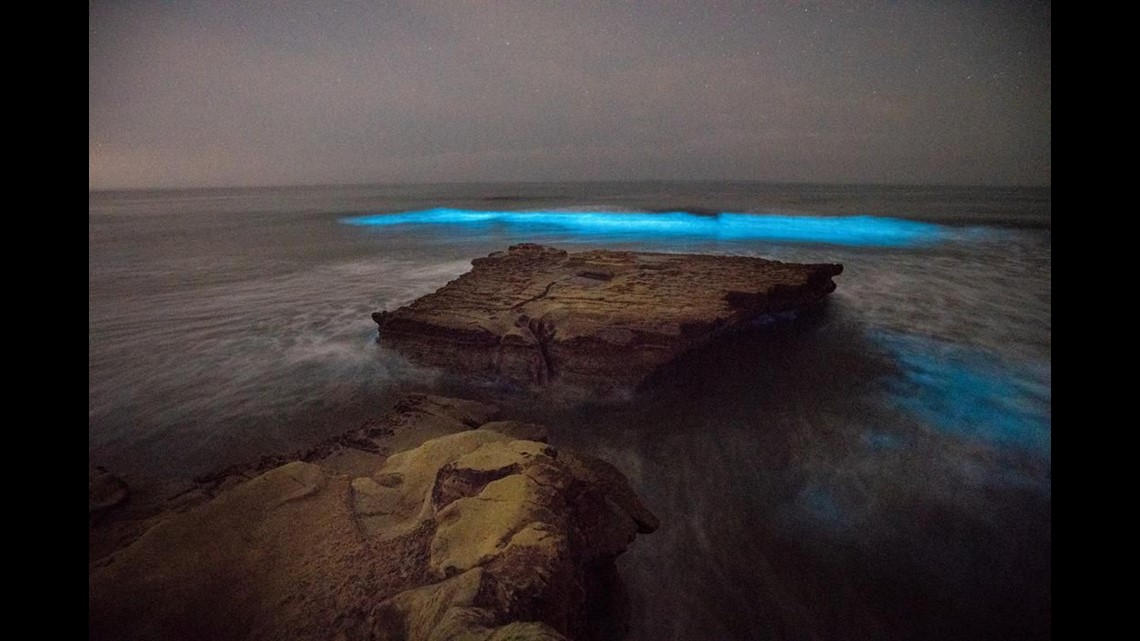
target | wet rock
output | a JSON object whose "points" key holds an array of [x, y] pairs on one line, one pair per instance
{"points": [[226, 567], [413, 419], [534, 315], [521, 531], [518, 429], [475, 534], [397, 498]]}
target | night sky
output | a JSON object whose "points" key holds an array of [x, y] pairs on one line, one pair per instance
{"points": [[203, 93]]}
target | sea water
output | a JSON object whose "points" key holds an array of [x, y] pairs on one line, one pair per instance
{"points": [[881, 469]]}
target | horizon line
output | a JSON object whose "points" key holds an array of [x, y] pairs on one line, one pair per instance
{"points": [[569, 182]]}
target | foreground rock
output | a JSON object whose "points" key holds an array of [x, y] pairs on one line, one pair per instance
{"points": [[521, 532], [535, 314], [476, 534]]}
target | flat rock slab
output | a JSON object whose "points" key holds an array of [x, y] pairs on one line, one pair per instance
{"points": [[601, 319]]}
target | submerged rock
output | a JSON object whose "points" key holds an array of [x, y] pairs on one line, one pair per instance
{"points": [[535, 314], [475, 534]]}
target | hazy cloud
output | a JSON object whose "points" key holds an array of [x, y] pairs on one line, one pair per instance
{"points": [[221, 93]]}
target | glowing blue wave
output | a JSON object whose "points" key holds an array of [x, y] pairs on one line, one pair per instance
{"points": [[837, 230], [968, 392]]}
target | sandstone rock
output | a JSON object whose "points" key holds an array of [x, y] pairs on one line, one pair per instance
{"points": [[518, 429], [472, 535], [614, 485], [520, 531], [214, 571], [414, 419], [450, 611], [535, 314], [397, 498]]}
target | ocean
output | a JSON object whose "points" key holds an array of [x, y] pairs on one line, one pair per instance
{"points": [[880, 469]]}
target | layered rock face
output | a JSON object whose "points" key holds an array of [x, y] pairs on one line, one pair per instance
{"points": [[599, 319], [521, 533], [480, 534]]}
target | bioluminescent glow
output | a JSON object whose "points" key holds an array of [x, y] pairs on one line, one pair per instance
{"points": [[820, 504], [871, 231], [971, 393], [881, 441]]}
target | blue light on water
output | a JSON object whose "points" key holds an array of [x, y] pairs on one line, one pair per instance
{"points": [[821, 505], [970, 393], [873, 231], [881, 441]]}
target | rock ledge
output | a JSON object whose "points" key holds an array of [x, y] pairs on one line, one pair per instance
{"points": [[475, 534], [533, 314]]}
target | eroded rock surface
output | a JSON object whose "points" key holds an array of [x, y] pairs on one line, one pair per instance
{"points": [[535, 314], [520, 533], [473, 534], [414, 419]]}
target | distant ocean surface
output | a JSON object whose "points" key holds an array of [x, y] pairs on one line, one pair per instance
{"points": [[881, 471]]}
